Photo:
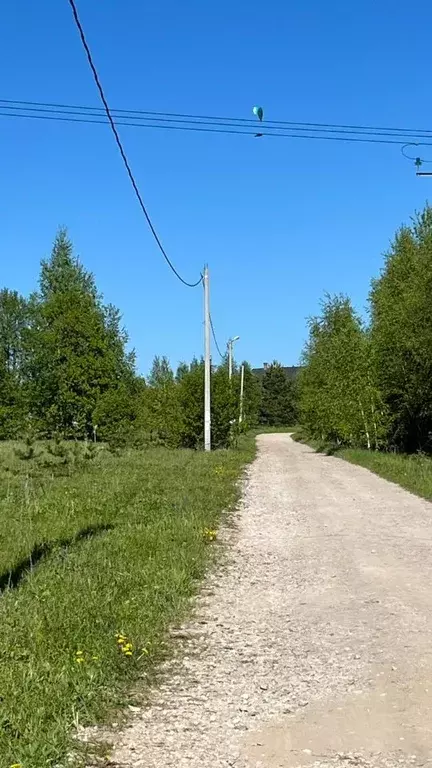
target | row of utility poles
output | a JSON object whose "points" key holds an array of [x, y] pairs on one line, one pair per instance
{"points": [[207, 364]]}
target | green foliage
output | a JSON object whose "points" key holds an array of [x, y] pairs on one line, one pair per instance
{"points": [[28, 452], [14, 318], [338, 397], [182, 370], [161, 373], [164, 413], [224, 408], [191, 396], [277, 397], [65, 371], [251, 396], [76, 347], [401, 331], [372, 386], [57, 447], [116, 412], [172, 408]]}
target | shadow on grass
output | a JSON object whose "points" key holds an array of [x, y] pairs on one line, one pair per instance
{"points": [[12, 578]]}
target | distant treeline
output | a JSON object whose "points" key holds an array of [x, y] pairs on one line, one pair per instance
{"points": [[65, 371], [370, 383]]}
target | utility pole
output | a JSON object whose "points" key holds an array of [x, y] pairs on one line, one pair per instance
{"points": [[230, 354], [241, 394], [207, 364]]}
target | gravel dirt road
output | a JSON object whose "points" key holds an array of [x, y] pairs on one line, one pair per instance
{"points": [[312, 645]]}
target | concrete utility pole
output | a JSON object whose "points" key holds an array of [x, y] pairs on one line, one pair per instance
{"points": [[241, 394], [207, 363], [230, 354]]}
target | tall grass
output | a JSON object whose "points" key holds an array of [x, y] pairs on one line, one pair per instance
{"points": [[94, 568]]}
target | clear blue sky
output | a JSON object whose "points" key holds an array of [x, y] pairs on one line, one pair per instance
{"points": [[279, 221]]}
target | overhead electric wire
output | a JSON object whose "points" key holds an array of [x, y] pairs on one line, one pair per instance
{"points": [[120, 147], [204, 128], [214, 337], [72, 110], [415, 159], [241, 121]]}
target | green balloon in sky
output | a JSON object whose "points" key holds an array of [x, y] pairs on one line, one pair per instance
{"points": [[258, 112]]}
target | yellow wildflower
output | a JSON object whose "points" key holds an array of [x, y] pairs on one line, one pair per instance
{"points": [[209, 534], [127, 649]]}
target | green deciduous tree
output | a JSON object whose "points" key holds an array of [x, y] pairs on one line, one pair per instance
{"points": [[116, 412], [224, 408], [401, 334], [65, 371], [338, 396], [14, 320], [162, 414], [191, 395], [251, 396]]}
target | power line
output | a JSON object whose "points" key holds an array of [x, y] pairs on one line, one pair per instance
{"points": [[120, 146], [203, 128], [52, 109], [410, 157], [246, 122], [214, 337]]}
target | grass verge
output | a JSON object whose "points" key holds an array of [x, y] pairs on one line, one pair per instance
{"points": [[114, 551], [411, 471]]}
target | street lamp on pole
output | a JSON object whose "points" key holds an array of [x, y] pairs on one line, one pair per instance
{"points": [[230, 354]]}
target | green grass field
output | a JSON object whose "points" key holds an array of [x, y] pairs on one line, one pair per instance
{"points": [[94, 567]]}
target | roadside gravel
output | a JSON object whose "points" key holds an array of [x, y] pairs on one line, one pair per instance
{"points": [[311, 645]]}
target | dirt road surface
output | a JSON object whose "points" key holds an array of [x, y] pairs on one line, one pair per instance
{"points": [[312, 646]]}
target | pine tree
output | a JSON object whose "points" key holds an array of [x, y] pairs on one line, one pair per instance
{"points": [[277, 401], [77, 351], [162, 416], [161, 372], [182, 370]]}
